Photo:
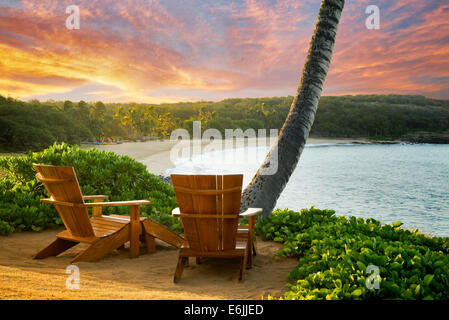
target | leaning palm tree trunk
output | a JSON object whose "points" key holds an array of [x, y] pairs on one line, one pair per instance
{"points": [[265, 188]]}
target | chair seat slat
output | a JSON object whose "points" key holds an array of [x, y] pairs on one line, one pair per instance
{"points": [[210, 192], [208, 216]]}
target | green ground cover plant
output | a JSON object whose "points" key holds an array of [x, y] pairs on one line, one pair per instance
{"points": [[334, 253], [98, 172]]}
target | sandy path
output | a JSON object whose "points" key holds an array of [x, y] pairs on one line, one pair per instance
{"points": [[146, 277]]}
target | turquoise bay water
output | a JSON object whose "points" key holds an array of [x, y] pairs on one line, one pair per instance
{"points": [[402, 182]]}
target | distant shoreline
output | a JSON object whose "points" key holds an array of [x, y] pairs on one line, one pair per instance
{"points": [[155, 154]]}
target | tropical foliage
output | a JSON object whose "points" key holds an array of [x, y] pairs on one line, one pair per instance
{"points": [[34, 125], [335, 252], [98, 172]]}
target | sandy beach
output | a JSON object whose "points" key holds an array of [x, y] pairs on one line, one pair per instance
{"points": [[150, 276], [155, 154]]}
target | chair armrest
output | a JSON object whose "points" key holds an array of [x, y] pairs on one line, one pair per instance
{"points": [[250, 212], [97, 211], [175, 212], [135, 208], [117, 203], [96, 197]]}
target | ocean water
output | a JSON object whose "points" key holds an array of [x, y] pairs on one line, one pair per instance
{"points": [[406, 182]]}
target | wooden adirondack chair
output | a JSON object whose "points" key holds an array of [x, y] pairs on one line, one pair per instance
{"points": [[209, 207], [103, 233]]}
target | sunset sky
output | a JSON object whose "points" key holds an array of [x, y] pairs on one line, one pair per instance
{"points": [[171, 50]]}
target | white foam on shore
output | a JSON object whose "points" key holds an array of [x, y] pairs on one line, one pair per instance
{"points": [[231, 161]]}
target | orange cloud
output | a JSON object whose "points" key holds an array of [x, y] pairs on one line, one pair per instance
{"points": [[140, 50]]}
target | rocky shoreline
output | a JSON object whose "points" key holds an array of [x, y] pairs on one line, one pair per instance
{"points": [[428, 138], [416, 138]]}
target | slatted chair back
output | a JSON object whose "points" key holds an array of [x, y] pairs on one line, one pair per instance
{"points": [[209, 206], [62, 186]]}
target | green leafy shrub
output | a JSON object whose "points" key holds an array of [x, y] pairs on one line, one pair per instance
{"points": [[98, 172], [334, 253]]}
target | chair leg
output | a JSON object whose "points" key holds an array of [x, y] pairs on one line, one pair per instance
{"points": [[243, 264], [249, 261], [179, 268], [249, 253], [150, 243], [135, 232], [103, 246], [56, 247], [163, 233]]}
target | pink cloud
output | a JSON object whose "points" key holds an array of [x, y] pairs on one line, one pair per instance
{"points": [[229, 47]]}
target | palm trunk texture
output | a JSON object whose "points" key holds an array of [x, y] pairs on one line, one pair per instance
{"points": [[265, 189]]}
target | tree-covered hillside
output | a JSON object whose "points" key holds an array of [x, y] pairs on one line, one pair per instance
{"points": [[34, 125]]}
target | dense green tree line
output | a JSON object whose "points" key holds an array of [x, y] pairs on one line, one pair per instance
{"points": [[34, 125]]}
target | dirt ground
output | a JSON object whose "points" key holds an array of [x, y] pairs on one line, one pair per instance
{"points": [[150, 276]]}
